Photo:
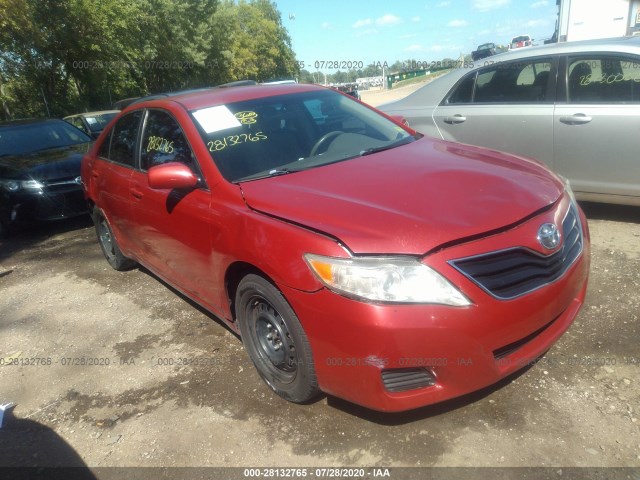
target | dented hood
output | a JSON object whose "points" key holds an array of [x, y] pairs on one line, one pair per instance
{"points": [[410, 199]]}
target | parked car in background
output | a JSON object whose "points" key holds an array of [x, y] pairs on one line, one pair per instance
{"points": [[92, 123], [351, 89], [353, 255], [483, 51], [574, 106], [520, 42], [40, 171]]}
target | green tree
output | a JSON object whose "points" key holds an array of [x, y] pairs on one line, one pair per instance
{"points": [[256, 45]]}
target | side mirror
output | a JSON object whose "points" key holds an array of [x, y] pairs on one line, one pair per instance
{"points": [[171, 176]]}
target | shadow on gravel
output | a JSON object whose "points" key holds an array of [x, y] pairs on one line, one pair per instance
{"points": [[28, 449], [29, 235], [616, 213]]}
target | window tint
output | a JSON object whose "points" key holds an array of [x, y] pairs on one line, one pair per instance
{"points": [[76, 122], [123, 139], [163, 141], [521, 82], [463, 92], [104, 148], [603, 80]]}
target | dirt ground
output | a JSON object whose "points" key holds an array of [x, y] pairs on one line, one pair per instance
{"points": [[93, 358], [60, 300]]}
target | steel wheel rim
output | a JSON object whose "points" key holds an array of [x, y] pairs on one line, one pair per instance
{"points": [[273, 340], [105, 238]]}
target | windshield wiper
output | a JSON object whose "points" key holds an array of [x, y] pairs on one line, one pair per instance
{"points": [[276, 172], [369, 151]]}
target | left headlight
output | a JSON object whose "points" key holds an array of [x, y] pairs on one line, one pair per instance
{"points": [[385, 279], [15, 185]]}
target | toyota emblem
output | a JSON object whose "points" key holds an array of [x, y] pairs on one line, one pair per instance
{"points": [[549, 236]]}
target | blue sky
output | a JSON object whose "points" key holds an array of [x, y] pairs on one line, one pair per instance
{"points": [[423, 30]]}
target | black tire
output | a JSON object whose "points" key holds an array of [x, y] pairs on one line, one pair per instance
{"points": [[275, 340], [109, 245]]}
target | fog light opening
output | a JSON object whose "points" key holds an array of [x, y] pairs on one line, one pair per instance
{"points": [[404, 379]]}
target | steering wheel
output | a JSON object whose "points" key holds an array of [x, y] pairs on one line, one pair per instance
{"points": [[324, 138]]}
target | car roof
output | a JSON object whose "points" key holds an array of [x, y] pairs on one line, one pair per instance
{"points": [[432, 93], [618, 44], [207, 97], [91, 114]]}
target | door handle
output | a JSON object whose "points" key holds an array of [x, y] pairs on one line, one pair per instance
{"points": [[136, 193], [577, 119], [455, 119]]}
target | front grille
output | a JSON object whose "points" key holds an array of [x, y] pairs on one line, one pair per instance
{"points": [[62, 185], [508, 274], [403, 379]]}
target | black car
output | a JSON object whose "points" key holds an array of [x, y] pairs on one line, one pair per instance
{"points": [[485, 50], [40, 171]]}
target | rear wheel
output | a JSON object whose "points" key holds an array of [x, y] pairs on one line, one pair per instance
{"points": [[109, 245], [275, 340]]}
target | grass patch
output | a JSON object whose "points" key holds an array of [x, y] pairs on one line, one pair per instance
{"points": [[412, 81]]}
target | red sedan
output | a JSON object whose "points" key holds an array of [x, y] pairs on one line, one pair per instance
{"points": [[353, 255]]}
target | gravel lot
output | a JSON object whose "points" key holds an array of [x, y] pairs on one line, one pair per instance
{"points": [[61, 301], [99, 366]]}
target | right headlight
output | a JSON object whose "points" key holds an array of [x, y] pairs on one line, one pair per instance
{"points": [[385, 279]]}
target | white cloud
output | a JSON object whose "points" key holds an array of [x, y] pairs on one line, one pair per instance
{"points": [[416, 19], [407, 36], [457, 23], [388, 19], [414, 48], [485, 5], [382, 21], [535, 23], [326, 26], [541, 3], [446, 3], [362, 23]]}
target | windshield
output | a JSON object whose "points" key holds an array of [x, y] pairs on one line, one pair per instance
{"points": [[289, 133], [25, 138], [98, 122]]}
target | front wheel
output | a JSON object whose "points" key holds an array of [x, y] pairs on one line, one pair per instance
{"points": [[109, 245], [275, 340]]}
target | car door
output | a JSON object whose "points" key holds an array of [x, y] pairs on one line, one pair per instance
{"points": [[171, 228], [505, 106], [596, 127], [111, 173]]}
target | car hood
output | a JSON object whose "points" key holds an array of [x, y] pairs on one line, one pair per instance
{"points": [[46, 164], [411, 199]]}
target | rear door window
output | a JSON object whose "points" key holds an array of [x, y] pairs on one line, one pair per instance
{"points": [[124, 139], [603, 79]]}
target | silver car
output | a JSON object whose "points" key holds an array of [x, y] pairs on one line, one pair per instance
{"points": [[574, 106]]}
